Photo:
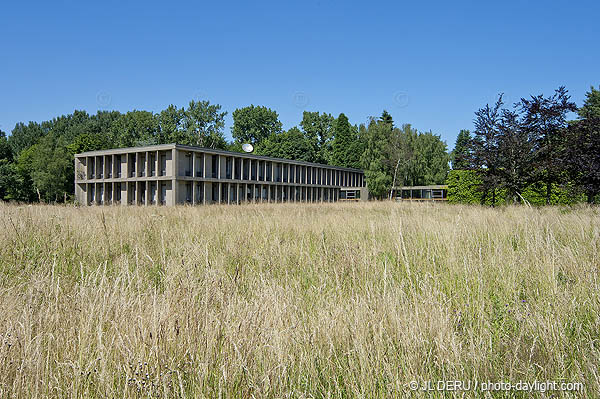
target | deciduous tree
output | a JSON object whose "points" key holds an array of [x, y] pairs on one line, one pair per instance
{"points": [[254, 124]]}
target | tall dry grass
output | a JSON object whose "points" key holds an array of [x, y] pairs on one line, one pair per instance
{"points": [[287, 300]]}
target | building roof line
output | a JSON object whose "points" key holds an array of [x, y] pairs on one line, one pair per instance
{"points": [[211, 151]]}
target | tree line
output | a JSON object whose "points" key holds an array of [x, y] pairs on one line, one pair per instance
{"points": [[529, 150], [36, 159]]}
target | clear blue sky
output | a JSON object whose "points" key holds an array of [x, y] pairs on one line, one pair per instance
{"points": [[428, 63]]}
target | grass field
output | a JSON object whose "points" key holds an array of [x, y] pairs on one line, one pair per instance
{"points": [[287, 300]]}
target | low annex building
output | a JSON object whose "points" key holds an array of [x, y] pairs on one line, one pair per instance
{"points": [[172, 174]]}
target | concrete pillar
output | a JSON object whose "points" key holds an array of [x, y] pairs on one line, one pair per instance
{"points": [[220, 193], [156, 169], [194, 187], [175, 171], [194, 168]]}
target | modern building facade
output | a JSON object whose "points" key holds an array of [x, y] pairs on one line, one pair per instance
{"points": [[421, 193], [172, 174]]}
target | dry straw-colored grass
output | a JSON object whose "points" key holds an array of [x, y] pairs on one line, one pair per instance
{"points": [[288, 300]]}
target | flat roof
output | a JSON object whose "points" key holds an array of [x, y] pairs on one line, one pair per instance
{"points": [[431, 187], [170, 146]]}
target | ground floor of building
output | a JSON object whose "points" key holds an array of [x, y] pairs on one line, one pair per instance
{"points": [[171, 192]]}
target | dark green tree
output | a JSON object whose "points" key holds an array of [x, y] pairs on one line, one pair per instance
{"points": [[5, 151], [515, 154], [545, 121], [591, 106], [254, 124], [582, 154], [387, 119], [461, 154], [346, 148], [484, 147], [24, 136]]}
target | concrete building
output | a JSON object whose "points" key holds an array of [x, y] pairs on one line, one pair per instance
{"points": [[177, 174]]}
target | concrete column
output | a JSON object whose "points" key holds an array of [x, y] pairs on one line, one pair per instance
{"points": [[194, 168], [204, 188], [233, 161], [218, 163], [147, 191], [124, 195], [220, 194], [228, 193], [175, 171], [194, 188], [156, 169]]}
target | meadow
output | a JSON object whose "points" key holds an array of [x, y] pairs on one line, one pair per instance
{"points": [[338, 300]]}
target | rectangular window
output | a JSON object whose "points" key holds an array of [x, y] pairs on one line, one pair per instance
{"points": [[100, 167], [92, 168], [117, 193], [188, 192], [188, 164], [163, 164], [109, 166], [200, 192], [153, 193], [215, 192], [118, 166], [142, 193], [238, 169], [215, 166], [199, 165], [228, 167], [246, 163], [224, 192], [131, 165], [152, 161], [142, 168], [163, 193], [261, 170]]}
